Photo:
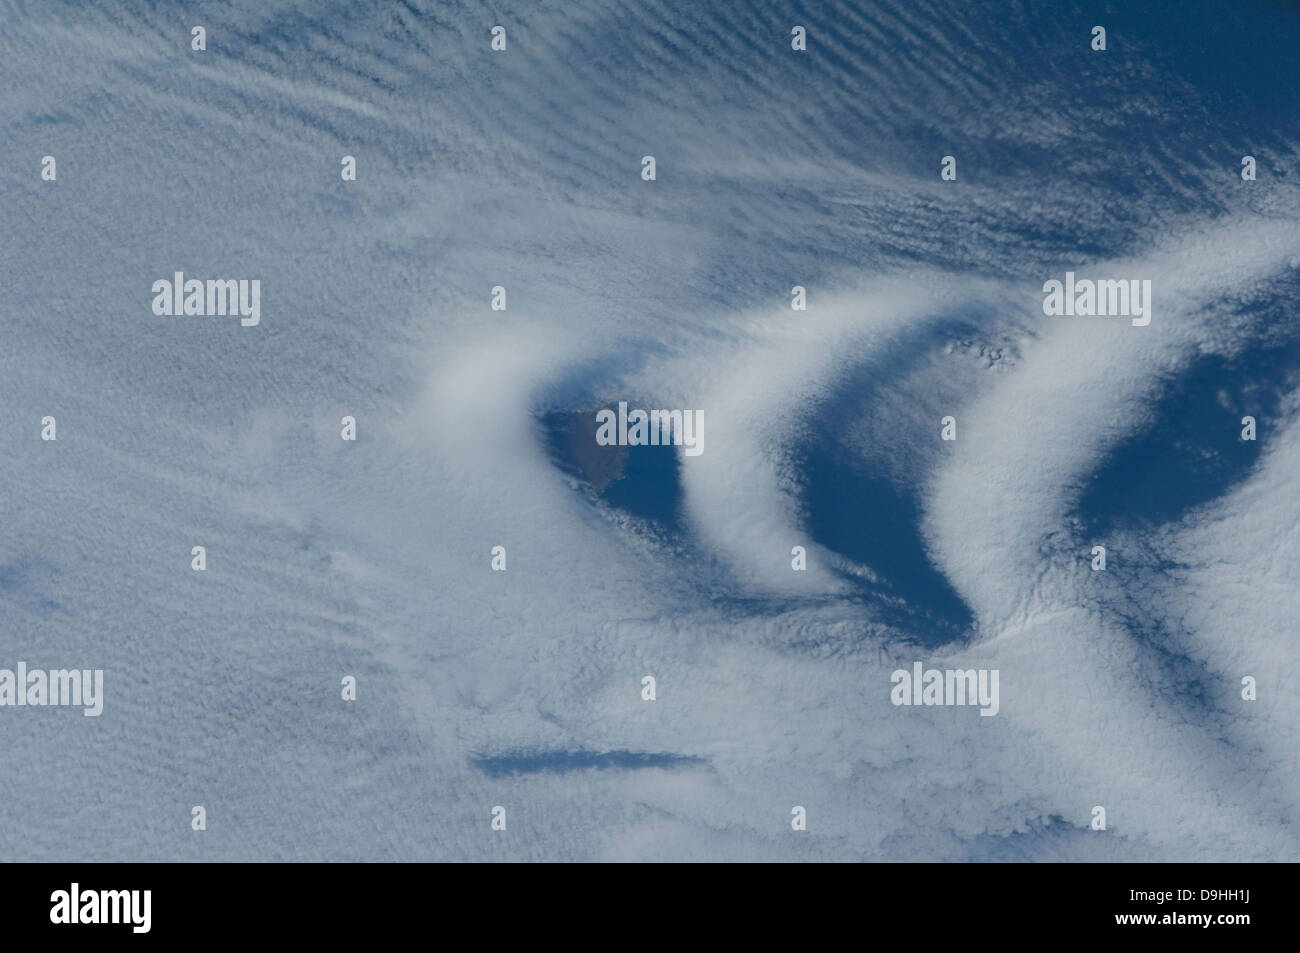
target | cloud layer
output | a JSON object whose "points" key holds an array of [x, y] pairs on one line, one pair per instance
{"points": [[523, 688]]}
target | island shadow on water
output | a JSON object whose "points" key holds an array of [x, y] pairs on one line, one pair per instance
{"points": [[644, 482]]}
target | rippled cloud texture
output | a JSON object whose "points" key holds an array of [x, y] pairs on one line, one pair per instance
{"points": [[775, 168]]}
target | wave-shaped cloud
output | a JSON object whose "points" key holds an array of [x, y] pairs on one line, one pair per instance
{"points": [[523, 688]]}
